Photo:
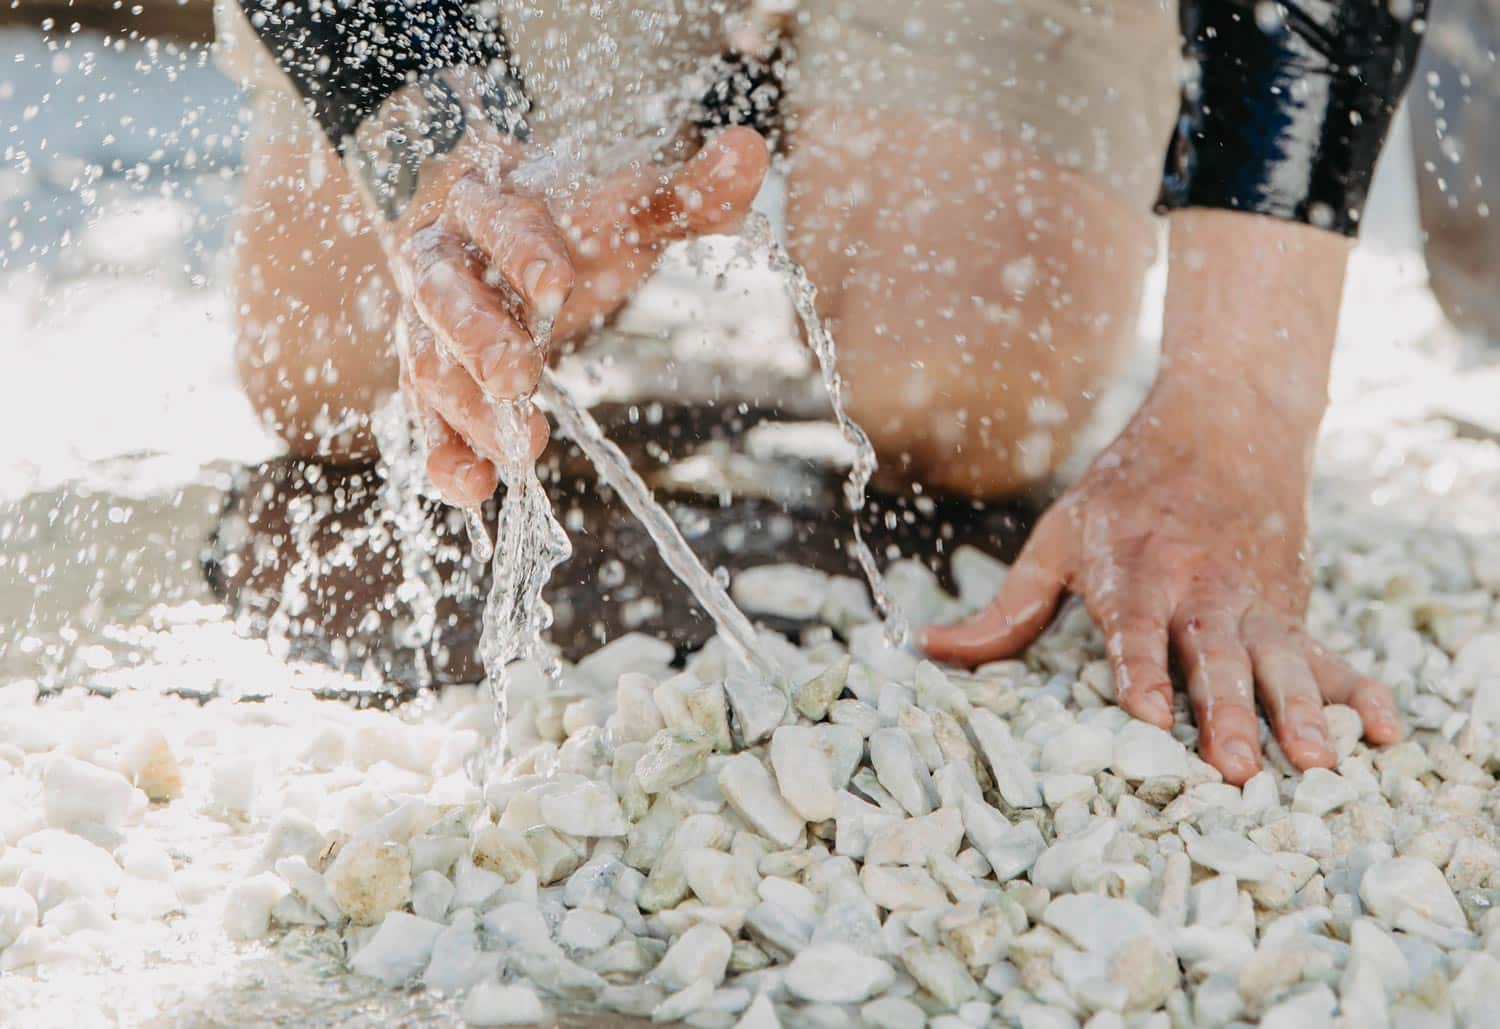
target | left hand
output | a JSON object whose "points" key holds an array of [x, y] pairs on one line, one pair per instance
{"points": [[1190, 529], [1178, 534]]}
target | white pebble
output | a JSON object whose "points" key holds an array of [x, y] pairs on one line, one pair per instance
{"points": [[900, 771], [149, 763], [760, 1014], [18, 912], [1079, 749], [586, 931], [369, 880], [1399, 886], [1013, 777], [247, 907], [699, 955], [584, 809], [784, 590], [232, 786], [1232, 855], [431, 892], [76, 794], [750, 791], [758, 706], [834, 973], [1054, 867], [1142, 751], [397, 951], [897, 888], [1322, 791], [915, 840], [804, 774], [892, 1013], [493, 1003]]}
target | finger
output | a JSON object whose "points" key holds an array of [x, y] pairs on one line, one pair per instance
{"points": [[1133, 614], [454, 395], [1288, 690], [518, 235], [1028, 597], [709, 193], [469, 318], [1370, 697], [1221, 686], [713, 191], [462, 477]]}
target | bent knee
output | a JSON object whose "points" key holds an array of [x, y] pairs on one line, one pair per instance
{"points": [[314, 307], [956, 438]]}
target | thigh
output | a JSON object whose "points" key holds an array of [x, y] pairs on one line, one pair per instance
{"points": [[979, 239], [314, 303]]}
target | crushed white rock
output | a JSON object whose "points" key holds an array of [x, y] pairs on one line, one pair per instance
{"points": [[872, 841]]}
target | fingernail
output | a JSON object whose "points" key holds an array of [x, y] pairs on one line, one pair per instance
{"points": [[1240, 753], [1311, 734], [499, 370], [531, 277], [461, 472], [1153, 707]]}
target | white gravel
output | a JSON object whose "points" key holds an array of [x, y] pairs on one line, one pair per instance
{"points": [[954, 850]]}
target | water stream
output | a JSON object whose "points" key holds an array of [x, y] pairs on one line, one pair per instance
{"points": [[804, 297], [529, 545], [615, 471]]}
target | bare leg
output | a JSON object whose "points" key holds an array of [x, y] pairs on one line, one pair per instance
{"points": [[981, 295], [313, 300]]}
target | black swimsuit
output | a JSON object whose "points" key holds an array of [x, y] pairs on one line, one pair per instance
{"points": [[1285, 115]]}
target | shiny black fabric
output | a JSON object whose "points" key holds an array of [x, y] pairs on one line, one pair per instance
{"points": [[347, 56], [1289, 104]]}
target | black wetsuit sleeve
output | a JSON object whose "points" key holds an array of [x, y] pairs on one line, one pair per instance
{"points": [[1286, 105], [345, 57]]}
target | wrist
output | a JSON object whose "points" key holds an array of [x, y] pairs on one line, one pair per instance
{"points": [[430, 133], [1250, 321]]}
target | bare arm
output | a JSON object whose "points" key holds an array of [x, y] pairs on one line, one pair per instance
{"points": [[1189, 531]]}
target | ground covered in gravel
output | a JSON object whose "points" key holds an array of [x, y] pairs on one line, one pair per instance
{"points": [[874, 841]]}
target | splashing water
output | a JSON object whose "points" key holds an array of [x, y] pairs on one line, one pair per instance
{"points": [[615, 471], [479, 536], [403, 464], [804, 296], [529, 545]]}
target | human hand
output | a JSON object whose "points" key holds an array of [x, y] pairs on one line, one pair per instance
{"points": [[1171, 537], [491, 270], [1190, 529]]}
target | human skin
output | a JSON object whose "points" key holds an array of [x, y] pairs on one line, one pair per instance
{"points": [[321, 285], [1189, 531]]}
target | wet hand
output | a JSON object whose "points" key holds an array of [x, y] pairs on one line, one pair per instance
{"points": [[491, 271], [1179, 536]]}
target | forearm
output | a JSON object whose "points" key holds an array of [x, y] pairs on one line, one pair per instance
{"points": [[1251, 316]]}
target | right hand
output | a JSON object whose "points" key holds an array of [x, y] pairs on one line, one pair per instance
{"points": [[466, 343]]}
